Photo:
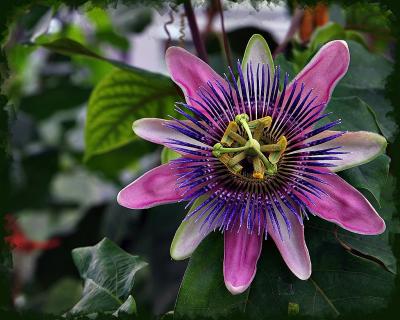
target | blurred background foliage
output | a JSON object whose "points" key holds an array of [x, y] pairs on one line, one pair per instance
{"points": [[76, 85]]}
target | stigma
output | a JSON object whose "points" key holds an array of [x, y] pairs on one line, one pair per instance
{"points": [[246, 147]]}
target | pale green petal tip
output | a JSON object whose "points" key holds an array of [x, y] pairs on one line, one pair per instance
{"points": [[380, 141], [174, 252], [257, 50], [134, 125]]}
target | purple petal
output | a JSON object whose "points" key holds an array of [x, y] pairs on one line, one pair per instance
{"points": [[324, 70], [241, 254], [155, 187], [190, 73], [346, 206]]}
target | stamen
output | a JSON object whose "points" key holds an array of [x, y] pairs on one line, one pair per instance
{"points": [[260, 126], [259, 168], [218, 149], [281, 144]]}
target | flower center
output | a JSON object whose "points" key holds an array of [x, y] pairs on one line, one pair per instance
{"points": [[244, 143]]}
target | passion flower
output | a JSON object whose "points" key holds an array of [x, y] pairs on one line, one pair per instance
{"points": [[255, 159]]}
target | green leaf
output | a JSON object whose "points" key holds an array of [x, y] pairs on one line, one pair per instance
{"points": [[128, 307], [341, 282], [333, 31], [366, 70], [50, 101], [167, 155], [62, 296], [127, 157], [382, 108], [371, 176], [328, 32], [120, 99], [356, 115], [366, 79], [109, 274], [203, 293], [286, 66]]}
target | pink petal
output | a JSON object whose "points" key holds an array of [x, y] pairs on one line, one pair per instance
{"points": [[361, 147], [346, 206], [324, 70], [241, 254], [155, 187], [157, 131], [190, 73], [292, 247]]}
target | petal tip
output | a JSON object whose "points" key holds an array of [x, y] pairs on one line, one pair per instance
{"points": [[172, 50], [121, 199], [236, 289], [304, 275], [175, 255], [379, 228]]}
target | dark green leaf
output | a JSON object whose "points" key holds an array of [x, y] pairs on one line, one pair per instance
{"points": [[355, 114], [371, 176], [333, 31], [128, 307], [120, 99], [376, 247], [381, 106], [366, 70], [95, 299], [62, 296], [286, 67], [202, 292], [127, 157], [109, 274], [64, 96], [366, 79], [328, 32], [341, 282]]}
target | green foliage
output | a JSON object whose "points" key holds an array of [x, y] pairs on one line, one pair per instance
{"points": [[366, 79], [371, 176], [341, 282], [333, 31], [119, 100], [41, 105], [62, 296], [167, 155], [109, 274]]}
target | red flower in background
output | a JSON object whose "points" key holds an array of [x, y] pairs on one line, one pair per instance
{"points": [[19, 241]]}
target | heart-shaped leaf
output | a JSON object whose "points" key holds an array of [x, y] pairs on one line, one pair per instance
{"points": [[109, 274], [120, 99]]}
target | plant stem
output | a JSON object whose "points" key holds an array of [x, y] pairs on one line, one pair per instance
{"points": [[194, 30], [294, 25], [226, 43]]}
